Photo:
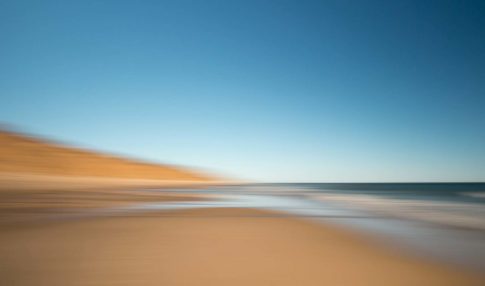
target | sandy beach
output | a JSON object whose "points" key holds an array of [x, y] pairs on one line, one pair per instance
{"points": [[35, 200], [242, 143], [75, 217], [207, 247]]}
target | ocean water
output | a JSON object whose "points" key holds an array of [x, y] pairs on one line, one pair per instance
{"points": [[446, 192], [451, 204]]}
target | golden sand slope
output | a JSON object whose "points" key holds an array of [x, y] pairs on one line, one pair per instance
{"points": [[27, 155], [207, 247]]}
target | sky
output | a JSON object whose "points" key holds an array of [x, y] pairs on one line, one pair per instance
{"points": [[272, 91]]}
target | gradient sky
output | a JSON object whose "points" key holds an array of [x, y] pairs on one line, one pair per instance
{"points": [[266, 90]]}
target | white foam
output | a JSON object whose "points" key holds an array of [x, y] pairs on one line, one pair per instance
{"points": [[456, 214], [480, 195]]}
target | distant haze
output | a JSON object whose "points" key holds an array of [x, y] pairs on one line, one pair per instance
{"points": [[332, 91]]}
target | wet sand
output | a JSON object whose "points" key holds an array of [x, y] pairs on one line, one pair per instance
{"points": [[23, 204], [207, 247]]}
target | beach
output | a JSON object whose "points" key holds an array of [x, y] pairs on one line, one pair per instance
{"points": [[242, 143], [223, 246], [75, 217]]}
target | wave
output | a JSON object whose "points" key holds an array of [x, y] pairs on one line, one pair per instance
{"points": [[458, 214]]}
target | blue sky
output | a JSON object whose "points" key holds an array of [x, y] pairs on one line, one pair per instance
{"points": [[263, 90]]}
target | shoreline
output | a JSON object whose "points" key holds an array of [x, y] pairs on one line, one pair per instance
{"points": [[72, 220]]}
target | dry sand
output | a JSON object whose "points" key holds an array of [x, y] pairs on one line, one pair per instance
{"points": [[206, 247]]}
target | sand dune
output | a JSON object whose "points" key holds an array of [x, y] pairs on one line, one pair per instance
{"points": [[21, 154]]}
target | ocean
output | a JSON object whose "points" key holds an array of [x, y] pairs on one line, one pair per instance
{"points": [[451, 204], [450, 192]]}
